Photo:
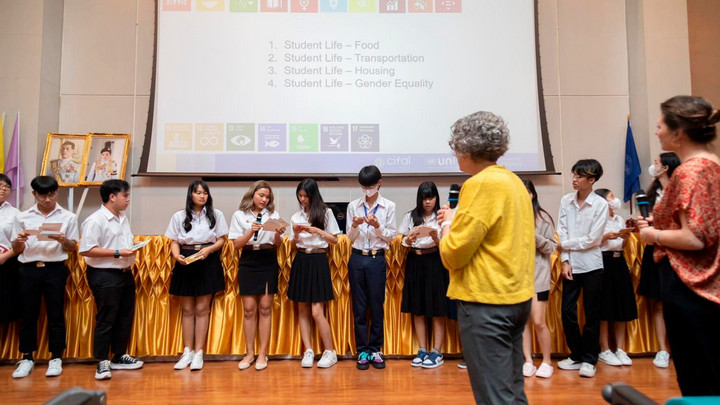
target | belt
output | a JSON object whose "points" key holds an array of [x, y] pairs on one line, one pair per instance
{"points": [[427, 251], [264, 246], [196, 247], [369, 252], [612, 253], [312, 250], [124, 269], [43, 264]]}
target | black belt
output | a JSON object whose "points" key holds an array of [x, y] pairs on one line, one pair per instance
{"points": [[124, 269], [43, 264], [426, 251], [369, 252], [264, 246], [309, 251], [196, 247], [612, 253]]}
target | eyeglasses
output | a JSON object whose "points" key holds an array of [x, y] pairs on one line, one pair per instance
{"points": [[4, 187]]}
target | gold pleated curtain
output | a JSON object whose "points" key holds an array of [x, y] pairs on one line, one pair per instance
{"points": [[157, 324]]}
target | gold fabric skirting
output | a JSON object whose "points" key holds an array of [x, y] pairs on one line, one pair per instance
{"points": [[157, 324]]}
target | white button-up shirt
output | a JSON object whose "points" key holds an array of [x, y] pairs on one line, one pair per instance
{"points": [[310, 241], [200, 233], [424, 242], [106, 231], [7, 217], [366, 236], [44, 251], [580, 230], [613, 224], [241, 223]]}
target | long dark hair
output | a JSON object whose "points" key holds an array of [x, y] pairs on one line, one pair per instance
{"points": [[672, 161], [316, 205], [209, 211], [425, 190], [537, 209]]}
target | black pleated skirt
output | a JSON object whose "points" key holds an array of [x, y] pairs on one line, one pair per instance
{"points": [[203, 277], [619, 303], [649, 285], [425, 289], [310, 279], [9, 291], [258, 272]]}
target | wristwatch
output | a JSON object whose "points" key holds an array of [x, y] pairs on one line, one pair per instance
{"points": [[117, 254]]}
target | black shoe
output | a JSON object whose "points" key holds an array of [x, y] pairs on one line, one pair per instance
{"points": [[376, 360], [103, 371], [126, 362], [363, 361]]}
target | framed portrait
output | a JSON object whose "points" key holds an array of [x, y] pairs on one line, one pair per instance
{"points": [[105, 158], [63, 158]]}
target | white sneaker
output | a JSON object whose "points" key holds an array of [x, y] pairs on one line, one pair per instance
{"points": [[103, 370], [609, 358], [54, 368], [185, 359], [23, 369], [544, 371], [529, 369], [308, 358], [662, 359], [587, 370], [197, 361], [569, 364], [623, 357], [328, 359]]}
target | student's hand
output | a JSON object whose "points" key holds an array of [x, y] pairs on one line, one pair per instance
{"points": [[59, 238], [21, 237], [567, 271], [373, 221], [181, 259], [256, 226], [205, 252], [313, 230], [411, 238], [297, 229], [357, 221], [434, 235], [611, 236], [126, 252]]}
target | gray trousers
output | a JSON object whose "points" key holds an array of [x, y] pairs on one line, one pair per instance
{"points": [[492, 345]]}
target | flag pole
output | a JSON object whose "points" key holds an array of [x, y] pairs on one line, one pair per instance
{"points": [[17, 171], [631, 204]]}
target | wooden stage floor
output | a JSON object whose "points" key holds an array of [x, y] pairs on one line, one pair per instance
{"points": [[284, 382]]}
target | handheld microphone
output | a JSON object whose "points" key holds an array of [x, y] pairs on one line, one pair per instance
{"points": [[258, 220], [454, 195], [641, 200]]}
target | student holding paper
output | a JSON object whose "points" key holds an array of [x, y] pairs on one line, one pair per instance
{"points": [[258, 267], [43, 272], [313, 228], [426, 279], [198, 235], [107, 247]]}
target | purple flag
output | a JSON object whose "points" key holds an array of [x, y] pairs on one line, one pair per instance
{"points": [[13, 167]]}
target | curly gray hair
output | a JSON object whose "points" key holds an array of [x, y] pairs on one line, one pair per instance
{"points": [[481, 135]]}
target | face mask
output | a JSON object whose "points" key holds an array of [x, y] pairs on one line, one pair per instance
{"points": [[652, 170], [369, 192], [614, 203]]}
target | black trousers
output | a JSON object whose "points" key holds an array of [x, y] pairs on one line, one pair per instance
{"points": [[36, 283], [693, 330], [367, 286], [114, 292], [584, 347]]}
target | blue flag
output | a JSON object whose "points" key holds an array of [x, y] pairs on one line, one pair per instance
{"points": [[632, 165]]}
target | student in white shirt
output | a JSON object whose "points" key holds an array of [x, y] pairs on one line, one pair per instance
{"points": [[424, 292], [198, 230], [313, 228], [371, 227], [618, 297], [105, 245], [43, 272], [258, 267], [581, 225], [9, 297]]}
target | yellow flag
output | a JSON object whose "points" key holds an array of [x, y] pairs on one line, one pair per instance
{"points": [[2, 143]]}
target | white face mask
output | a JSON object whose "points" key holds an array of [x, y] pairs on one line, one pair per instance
{"points": [[652, 170], [614, 204], [369, 192]]}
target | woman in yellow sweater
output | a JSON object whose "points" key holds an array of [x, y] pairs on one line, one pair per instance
{"points": [[488, 246]]}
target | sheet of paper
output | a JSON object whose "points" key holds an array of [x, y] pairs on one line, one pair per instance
{"points": [[273, 224], [193, 258], [49, 229], [421, 231], [139, 245]]}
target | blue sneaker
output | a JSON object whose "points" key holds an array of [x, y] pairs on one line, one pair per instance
{"points": [[421, 356], [376, 360], [363, 361], [433, 360]]}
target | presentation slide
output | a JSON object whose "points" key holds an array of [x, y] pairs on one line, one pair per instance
{"points": [[325, 87]]}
